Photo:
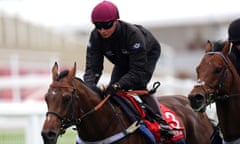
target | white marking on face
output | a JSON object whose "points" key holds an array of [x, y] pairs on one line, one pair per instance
{"points": [[200, 83], [48, 118], [53, 92]]}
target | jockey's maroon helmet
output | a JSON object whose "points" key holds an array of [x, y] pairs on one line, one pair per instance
{"points": [[104, 12]]}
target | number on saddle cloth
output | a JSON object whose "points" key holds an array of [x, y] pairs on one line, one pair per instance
{"points": [[173, 121]]}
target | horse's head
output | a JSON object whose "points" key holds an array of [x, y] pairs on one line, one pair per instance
{"points": [[59, 99], [215, 76]]}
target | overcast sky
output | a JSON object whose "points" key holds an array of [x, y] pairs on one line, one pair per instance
{"points": [[76, 13]]}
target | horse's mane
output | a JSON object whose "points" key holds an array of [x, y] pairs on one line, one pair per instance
{"points": [[62, 74], [65, 73], [218, 45]]}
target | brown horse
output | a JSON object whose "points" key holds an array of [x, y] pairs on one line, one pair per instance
{"points": [[71, 102], [218, 81]]}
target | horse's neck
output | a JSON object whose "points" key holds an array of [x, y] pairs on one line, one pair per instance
{"points": [[231, 86], [228, 109], [89, 99], [100, 123], [236, 79]]}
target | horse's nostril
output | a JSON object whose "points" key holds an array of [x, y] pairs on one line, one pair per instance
{"points": [[49, 135], [196, 101], [199, 97]]}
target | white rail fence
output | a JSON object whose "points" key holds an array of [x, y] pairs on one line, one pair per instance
{"points": [[28, 116]]}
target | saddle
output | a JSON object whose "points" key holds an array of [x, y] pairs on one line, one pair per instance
{"points": [[130, 102]]}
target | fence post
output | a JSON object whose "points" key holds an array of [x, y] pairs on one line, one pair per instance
{"points": [[33, 130]]}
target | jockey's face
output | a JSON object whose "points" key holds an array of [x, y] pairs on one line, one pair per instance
{"points": [[107, 32]]}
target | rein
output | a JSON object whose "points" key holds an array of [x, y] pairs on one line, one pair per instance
{"points": [[224, 97]]}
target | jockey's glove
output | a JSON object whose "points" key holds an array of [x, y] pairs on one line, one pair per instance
{"points": [[112, 89]]}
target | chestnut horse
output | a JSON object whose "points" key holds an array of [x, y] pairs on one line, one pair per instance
{"points": [[218, 82], [71, 102]]}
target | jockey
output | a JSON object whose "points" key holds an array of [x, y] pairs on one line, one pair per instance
{"points": [[131, 48], [234, 38]]}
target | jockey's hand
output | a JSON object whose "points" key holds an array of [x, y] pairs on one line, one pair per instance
{"points": [[112, 89]]}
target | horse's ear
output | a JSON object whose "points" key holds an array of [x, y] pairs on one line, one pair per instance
{"points": [[72, 72], [55, 71], [208, 46], [226, 48]]}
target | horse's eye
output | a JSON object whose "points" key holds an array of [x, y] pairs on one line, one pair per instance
{"points": [[66, 98], [218, 70]]}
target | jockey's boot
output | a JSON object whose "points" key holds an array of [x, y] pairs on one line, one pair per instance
{"points": [[166, 130]]}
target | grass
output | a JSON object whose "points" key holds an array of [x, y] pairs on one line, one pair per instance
{"points": [[68, 138], [18, 137], [12, 137]]}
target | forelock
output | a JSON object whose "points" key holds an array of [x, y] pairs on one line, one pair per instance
{"points": [[62, 74]]}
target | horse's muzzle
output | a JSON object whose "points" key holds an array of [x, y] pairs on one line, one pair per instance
{"points": [[49, 136], [197, 101]]}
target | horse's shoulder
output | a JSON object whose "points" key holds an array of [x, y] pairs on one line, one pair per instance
{"points": [[177, 103]]}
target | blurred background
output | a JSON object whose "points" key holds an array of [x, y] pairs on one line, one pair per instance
{"points": [[36, 33]]}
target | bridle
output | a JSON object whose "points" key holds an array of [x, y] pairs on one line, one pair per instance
{"points": [[213, 96], [69, 119]]}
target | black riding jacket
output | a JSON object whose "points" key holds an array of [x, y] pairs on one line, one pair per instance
{"points": [[132, 49]]}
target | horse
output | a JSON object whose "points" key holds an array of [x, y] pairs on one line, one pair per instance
{"points": [[218, 82], [71, 102]]}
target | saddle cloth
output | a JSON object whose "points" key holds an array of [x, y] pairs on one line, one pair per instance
{"points": [[136, 112], [173, 121]]}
